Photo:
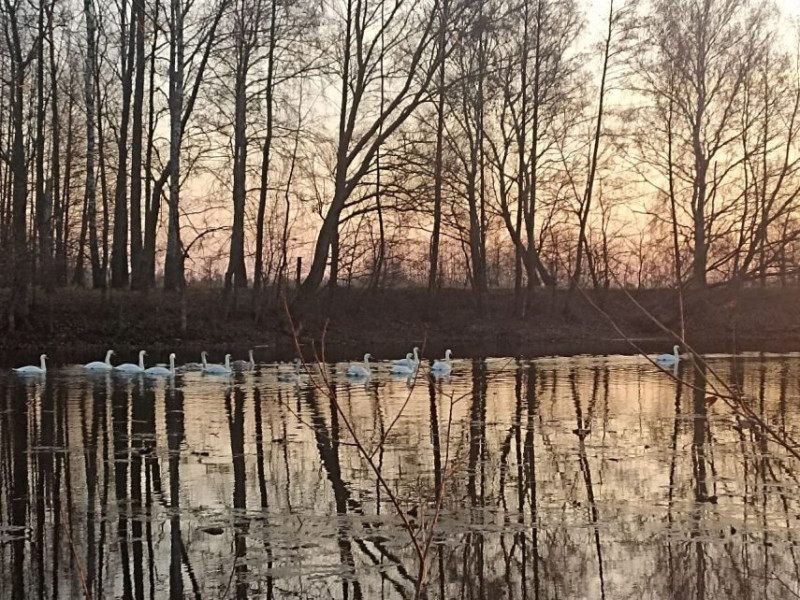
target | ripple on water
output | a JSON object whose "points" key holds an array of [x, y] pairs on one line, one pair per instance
{"points": [[603, 475]]}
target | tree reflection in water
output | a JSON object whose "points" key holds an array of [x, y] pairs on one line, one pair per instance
{"points": [[581, 478]]}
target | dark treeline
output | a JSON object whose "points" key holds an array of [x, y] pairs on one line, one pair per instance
{"points": [[501, 143]]}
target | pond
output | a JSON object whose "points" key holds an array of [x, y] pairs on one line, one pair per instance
{"points": [[571, 478]]}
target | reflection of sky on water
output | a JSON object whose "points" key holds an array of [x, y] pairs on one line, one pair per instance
{"points": [[251, 488]]}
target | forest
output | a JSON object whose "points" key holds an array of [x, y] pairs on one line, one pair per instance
{"points": [[494, 144]]}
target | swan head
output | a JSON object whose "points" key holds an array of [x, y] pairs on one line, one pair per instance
{"points": [[367, 356], [409, 356], [172, 356], [203, 354], [43, 357], [676, 349], [109, 354], [448, 353], [142, 352]]}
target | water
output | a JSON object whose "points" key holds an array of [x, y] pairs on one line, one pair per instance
{"points": [[559, 478]]}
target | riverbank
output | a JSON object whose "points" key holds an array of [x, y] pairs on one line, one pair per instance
{"points": [[78, 323]]}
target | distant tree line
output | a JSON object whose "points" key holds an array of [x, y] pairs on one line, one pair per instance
{"points": [[516, 143]]}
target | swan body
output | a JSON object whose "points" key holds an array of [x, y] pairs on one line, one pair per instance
{"points": [[245, 365], [32, 369], [195, 366], [213, 369], [132, 368], [99, 365], [443, 367], [162, 371], [360, 371], [291, 377], [670, 359], [405, 369], [411, 360]]}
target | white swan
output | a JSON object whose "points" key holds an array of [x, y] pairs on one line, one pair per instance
{"points": [[98, 365], [670, 359], [443, 367], [245, 365], [159, 371], [213, 369], [132, 368], [411, 360], [360, 371], [292, 377], [404, 361], [33, 370], [407, 369]]}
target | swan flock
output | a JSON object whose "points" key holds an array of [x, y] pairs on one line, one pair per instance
{"points": [[407, 367]]}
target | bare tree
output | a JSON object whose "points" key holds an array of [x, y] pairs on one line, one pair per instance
{"points": [[410, 48], [698, 45]]}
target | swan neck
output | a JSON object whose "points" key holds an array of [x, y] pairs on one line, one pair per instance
{"points": [[42, 359]]}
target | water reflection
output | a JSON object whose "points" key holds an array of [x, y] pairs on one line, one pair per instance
{"points": [[580, 478]]}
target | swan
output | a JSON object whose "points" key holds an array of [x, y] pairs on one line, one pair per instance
{"points": [[289, 377], [407, 369], [442, 367], [360, 371], [213, 369], [404, 361], [245, 365], [669, 359], [411, 360], [159, 371], [132, 368], [33, 370], [98, 365], [195, 366]]}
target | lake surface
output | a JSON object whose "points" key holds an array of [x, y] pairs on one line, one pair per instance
{"points": [[590, 477]]}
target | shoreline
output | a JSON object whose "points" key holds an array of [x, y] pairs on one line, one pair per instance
{"points": [[81, 324]]}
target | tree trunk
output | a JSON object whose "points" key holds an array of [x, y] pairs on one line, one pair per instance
{"points": [[48, 271], [438, 165], [119, 252], [236, 275], [145, 273], [138, 21], [44, 207], [62, 214], [91, 183], [174, 278], [258, 275], [19, 172], [103, 169]]}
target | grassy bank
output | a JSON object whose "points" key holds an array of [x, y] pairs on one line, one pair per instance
{"points": [[388, 322]]}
